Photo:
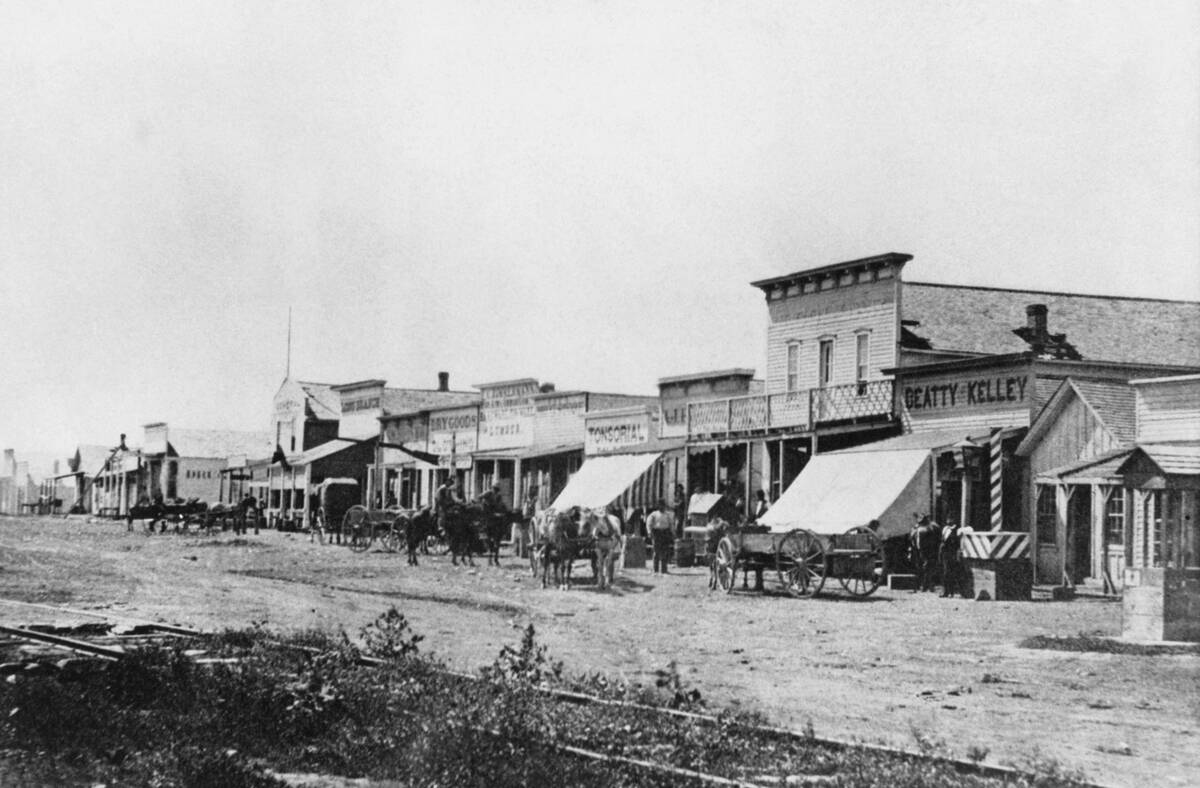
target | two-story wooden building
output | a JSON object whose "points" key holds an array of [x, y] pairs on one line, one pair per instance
{"points": [[839, 337]]}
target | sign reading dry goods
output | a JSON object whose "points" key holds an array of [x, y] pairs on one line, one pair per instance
{"points": [[454, 432], [990, 391], [607, 435]]}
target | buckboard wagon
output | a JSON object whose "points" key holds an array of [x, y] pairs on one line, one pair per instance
{"points": [[802, 559]]}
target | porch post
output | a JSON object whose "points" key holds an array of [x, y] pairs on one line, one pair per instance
{"points": [[1063, 494]]}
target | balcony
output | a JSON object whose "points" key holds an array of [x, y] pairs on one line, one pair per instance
{"points": [[793, 410]]}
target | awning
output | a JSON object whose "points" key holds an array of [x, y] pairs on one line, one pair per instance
{"points": [[526, 453], [841, 490], [1096, 470], [633, 479]]}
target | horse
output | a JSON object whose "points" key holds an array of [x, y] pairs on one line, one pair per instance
{"points": [[924, 541], [605, 530], [457, 524], [949, 560], [497, 524], [419, 527], [562, 535]]}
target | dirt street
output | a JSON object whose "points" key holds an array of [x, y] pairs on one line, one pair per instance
{"points": [[887, 669]]}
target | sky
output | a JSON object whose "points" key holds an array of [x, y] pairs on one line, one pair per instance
{"points": [[578, 192]]}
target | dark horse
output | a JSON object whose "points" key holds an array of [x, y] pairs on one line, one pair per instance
{"points": [[924, 540], [420, 526]]}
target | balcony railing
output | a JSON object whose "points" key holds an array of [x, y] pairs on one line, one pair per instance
{"points": [[851, 402]]}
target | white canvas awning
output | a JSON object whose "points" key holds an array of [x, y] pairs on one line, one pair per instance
{"points": [[602, 480], [840, 490]]}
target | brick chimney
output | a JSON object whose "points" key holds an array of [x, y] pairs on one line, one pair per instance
{"points": [[123, 447], [443, 381], [1035, 324]]}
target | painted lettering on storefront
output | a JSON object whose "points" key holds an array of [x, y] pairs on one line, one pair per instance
{"points": [[983, 391], [605, 437]]}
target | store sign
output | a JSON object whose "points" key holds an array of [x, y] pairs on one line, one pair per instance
{"points": [[613, 435], [506, 415], [567, 402], [956, 394], [454, 433], [286, 409]]}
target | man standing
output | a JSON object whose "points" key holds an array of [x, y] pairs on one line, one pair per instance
{"points": [[447, 502], [760, 506], [662, 530], [529, 510]]}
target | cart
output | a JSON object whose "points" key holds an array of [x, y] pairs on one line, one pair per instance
{"points": [[362, 526], [802, 559]]}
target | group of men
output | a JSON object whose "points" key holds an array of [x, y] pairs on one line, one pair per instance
{"points": [[934, 552]]}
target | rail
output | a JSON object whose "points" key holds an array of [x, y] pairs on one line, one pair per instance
{"points": [[803, 410]]}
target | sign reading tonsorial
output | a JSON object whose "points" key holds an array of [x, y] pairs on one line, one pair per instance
{"points": [[616, 433]]}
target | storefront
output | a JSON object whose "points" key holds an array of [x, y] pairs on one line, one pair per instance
{"points": [[291, 484], [624, 453], [1003, 479]]}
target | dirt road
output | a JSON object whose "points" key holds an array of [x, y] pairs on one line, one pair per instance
{"points": [[892, 668]]}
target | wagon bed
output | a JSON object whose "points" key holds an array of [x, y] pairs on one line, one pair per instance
{"points": [[802, 559]]}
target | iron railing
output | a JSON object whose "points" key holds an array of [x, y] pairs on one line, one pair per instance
{"points": [[869, 400]]}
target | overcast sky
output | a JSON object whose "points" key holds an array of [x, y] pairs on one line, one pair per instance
{"points": [[574, 191]]}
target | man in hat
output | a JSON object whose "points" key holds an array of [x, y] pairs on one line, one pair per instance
{"points": [[661, 525]]}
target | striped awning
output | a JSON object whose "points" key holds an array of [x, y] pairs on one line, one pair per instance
{"points": [[627, 479]]}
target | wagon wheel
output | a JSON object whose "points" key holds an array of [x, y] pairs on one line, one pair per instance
{"points": [[800, 562], [357, 529], [860, 583], [725, 564], [395, 535]]}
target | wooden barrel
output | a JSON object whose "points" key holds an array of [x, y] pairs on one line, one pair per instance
{"points": [[685, 552]]}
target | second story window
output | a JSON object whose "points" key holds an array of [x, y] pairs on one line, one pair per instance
{"points": [[862, 354], [825, 363], [793, 367]]}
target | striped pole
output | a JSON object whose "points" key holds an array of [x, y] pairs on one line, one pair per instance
{"points": [[995, 447]]}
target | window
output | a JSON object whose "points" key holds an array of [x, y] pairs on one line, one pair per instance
{"points": [[793, 366], [1154, 527], [1114, 517], [294, 431], [862, 354], [825, 363], [1047, 514]]}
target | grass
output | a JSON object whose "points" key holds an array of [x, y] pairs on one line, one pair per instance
{"points": [[309, 705], [1103, 645]]}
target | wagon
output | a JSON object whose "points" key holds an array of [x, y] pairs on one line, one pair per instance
{"points": [[362, 526], [802, 559]]}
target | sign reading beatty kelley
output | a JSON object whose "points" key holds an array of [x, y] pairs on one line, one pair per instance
{"points": [[996, 391]]}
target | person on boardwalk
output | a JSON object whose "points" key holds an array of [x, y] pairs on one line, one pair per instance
{"points": [[662, 530], [760, 506]]}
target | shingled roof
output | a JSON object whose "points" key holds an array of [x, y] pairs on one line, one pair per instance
{"points": [[1104, 328], [397, 400], [1114, 403], [322, 402], [219, 443]]}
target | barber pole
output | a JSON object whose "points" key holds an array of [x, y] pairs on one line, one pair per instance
{"points": [[996, 448]]}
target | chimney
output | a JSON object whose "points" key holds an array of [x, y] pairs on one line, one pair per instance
{"points": [[122, 447], [443, 381], [546, 388], [1035, 319]]}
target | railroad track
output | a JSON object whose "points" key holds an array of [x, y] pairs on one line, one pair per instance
{"points": [[112, 638]]}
